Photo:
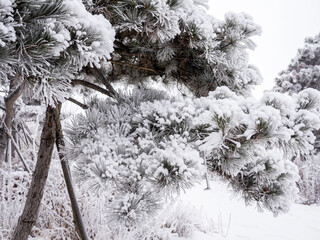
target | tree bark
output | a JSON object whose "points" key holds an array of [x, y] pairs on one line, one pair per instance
{"points": [[39, 178], [67, 177]]}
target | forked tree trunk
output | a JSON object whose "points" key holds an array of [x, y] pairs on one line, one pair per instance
{"points": [[39, 178], [51, 135]]}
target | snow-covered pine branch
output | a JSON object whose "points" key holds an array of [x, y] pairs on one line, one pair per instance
{"points": [[161, 144], [180, 41], [48, 42]]}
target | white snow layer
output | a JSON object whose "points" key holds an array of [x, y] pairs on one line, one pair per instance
{"points": [[233, 220]]}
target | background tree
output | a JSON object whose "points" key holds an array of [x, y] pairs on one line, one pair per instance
{"points": [[304, 72]]}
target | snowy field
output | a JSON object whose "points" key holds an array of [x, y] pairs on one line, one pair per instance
{"points": [[233, 220]]}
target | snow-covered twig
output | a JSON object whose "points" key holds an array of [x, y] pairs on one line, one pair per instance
{"points": [[82, 105]]}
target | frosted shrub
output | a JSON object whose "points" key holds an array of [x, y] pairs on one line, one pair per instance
{"points": [[55, 215], [183, 220]]}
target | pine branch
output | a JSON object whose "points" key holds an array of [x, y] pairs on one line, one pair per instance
{"points": [[92, 86], [45, 10], [99, 75]]}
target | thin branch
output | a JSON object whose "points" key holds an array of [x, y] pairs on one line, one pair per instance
{"points": [[16, 147], [92, 86], [99, 75], [133, 66], [82, 105], [27, 138], [14, 128], [67, 175], [29, 134]]}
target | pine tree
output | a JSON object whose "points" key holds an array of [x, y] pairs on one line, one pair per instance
{"points": [[304, 72], [143, 147], [132, 148]]}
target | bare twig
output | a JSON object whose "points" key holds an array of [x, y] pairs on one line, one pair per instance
{"points": [[67, 176], [17, 148], [99, 75], [24, 141], [92, 86], [26, 137], [29, 133], [82, 105]]}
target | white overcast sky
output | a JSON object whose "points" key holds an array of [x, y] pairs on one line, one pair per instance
{"points": [[285, 25]]}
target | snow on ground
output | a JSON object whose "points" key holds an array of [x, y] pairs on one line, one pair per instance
{"points": [[246, 222]]}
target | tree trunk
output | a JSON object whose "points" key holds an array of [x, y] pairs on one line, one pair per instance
{"points": [[51, 135], [67, 176], [39, 178]]}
